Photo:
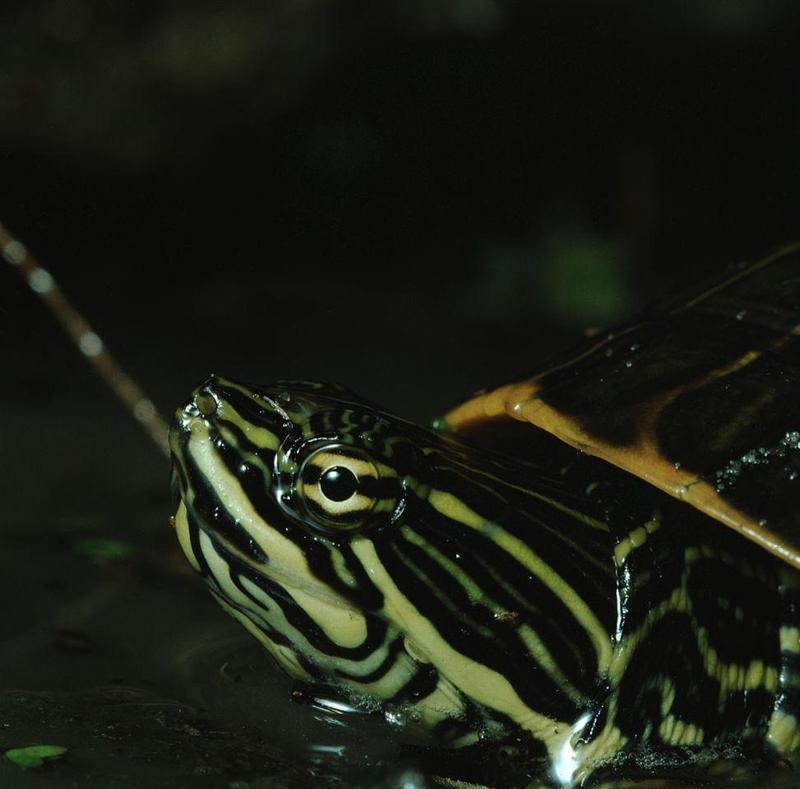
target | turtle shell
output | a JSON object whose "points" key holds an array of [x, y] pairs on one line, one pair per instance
{"points": [[700, 397]]}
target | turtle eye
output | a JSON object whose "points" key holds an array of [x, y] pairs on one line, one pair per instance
{"points": [[338, 483], [341, 487]]}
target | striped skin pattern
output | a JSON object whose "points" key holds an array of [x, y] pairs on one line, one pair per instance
{"points": [[579, 610]]}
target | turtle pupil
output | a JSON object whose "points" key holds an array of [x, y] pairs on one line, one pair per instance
{"points": [[338, 483]]}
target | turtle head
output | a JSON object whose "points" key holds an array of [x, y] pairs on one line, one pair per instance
{"points": [[281, 493], [383, 558]]}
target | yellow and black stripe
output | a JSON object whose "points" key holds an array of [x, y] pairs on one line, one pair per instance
{"points": [[582, 608]]}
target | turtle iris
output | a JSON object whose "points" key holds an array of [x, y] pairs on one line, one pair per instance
{"points": [[338, 487]]}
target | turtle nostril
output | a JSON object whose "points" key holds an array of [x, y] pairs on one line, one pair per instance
{"points": [[206, 403]]}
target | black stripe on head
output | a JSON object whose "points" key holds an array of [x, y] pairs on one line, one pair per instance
{"points": [[365, 594], [194, 540], [534, 687], [274, 635], [518, 595], [211, 515], [422, 684], [395, 648], [297, 617], [537, 603], [177, 483], [249, 408], [670, 654], [243, 443], [717, 590], [551, 532], [316, 549]]}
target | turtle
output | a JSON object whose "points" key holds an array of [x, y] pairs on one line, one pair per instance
{"points": [[596, 566]]}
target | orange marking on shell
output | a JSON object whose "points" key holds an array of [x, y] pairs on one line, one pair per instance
{"points": [[523, 402]]}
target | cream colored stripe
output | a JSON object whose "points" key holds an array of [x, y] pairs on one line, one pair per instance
{"points": [[455, 509], [731, 677], [483, 684], [536, 647], [252, 458], [264, 607], [541, 654], [258, 399], [449, 604], [790, 639], [474, 592], [343, 626], [284, 656], [264, 611], [783, 733], [577, 515], [260, 436], [184, 537], [287, 562]]}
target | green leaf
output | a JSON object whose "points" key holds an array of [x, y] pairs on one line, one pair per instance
{"points": [[34, 755]]}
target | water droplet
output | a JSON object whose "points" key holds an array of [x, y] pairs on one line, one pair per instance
{"points": [[629, 363], [395, 717], [741, 315], [676, 465]]}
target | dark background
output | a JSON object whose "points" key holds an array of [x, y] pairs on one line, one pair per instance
{"points": [[415, 198], [366, 190]]}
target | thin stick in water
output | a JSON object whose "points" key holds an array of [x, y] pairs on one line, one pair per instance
{"points": [[91, 346]]}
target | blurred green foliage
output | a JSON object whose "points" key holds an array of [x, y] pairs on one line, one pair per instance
{"points": [[34, 755], [571, 277], [104, 548], [584, 279]]}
